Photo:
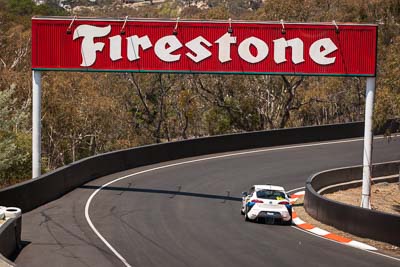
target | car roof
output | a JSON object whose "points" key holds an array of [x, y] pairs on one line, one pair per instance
{"points": [[269, 187]]}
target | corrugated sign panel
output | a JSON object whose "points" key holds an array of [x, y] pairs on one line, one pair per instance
{"points": [[203, 47]]}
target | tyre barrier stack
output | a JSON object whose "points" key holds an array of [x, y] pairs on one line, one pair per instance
{"points": [[2, 213], [9, 212]]}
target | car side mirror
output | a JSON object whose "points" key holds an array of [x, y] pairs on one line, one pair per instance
{"points": [[244, 194]]}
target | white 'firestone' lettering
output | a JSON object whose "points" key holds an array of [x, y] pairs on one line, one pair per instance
{"points": [[115, 47], [260, 45], [224, 49], [89, 47], [320, 49], [280, 46], [134, 42], [200, 51], [165, 47]]}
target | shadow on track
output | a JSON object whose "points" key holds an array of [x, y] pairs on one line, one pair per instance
{"points": [[159, 191]]}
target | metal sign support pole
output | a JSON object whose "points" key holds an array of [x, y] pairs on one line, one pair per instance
{"points": [[36, 123], [368, 139]]}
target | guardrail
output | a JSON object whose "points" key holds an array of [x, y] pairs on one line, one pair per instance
{"points": [[10, 240], [352, 219]]}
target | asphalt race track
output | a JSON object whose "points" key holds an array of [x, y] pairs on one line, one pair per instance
{"points": [[189, 214]]}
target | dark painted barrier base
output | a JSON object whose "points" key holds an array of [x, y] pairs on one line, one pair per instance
{"points": [[10, 239], [361, 222]]}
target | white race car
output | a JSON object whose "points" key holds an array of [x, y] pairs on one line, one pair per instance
{"points": [[266, 202]]}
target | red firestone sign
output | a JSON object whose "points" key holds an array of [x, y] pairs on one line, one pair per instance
{"points": [[140, 45]]}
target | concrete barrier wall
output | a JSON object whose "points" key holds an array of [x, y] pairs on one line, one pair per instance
{"points": [[10, 239], [352, 219], [31, 194]]}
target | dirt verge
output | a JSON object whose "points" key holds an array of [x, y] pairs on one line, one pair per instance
{"points": [[384, 197]]}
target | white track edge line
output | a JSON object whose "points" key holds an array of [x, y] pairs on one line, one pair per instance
{"points": [[345, 244], [311, 233], [113, 250], [121, 258]]}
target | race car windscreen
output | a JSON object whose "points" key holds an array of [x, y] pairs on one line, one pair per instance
{"points": [[271, 194]]}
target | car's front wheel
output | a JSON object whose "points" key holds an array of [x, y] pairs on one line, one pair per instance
{"points": [[245, 215], [241, 211]]}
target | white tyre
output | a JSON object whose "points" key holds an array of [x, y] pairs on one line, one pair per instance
{"points": [[2, 212], [12, 212]]}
